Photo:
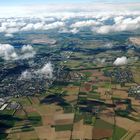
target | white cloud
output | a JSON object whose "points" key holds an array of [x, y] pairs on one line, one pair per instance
{"points": [[7, 52], [42, 26], [28, 27], [39, 26], [85, 23], [2, 29], [8, 35], [65, 30], [27, 48], [122, 21], [27, 52], [120, 61], [54, 25], [25, 75], [118, 19], [104, 29], [46, 71], [121, 24], [12, 30], [74, 30]]}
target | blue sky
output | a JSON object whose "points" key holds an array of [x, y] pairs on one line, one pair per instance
{"points": [[24, 2]]}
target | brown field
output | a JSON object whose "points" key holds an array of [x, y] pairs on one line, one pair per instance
{"points": [[76, 135], [97, 73], [64, 121], [48, 120], [108, 118], [86, 87], [30, 109], [88, 132], [78, 130], [45, 132], [102, 91], [137, 136], [20, 112], [134, 102], [118, 87], [101, 133], [120, 93], [64, 116], [71, 98], [121, 107], [71, 89], [44, 109], [136, 72], [81, 131], [23, 135], [103, 79], [35, 100], [127, 124], [63, 135]]}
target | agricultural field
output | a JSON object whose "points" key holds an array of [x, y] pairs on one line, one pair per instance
{"points": [[97, 108]]}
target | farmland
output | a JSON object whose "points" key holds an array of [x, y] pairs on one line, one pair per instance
{"points": [[89, 110]]}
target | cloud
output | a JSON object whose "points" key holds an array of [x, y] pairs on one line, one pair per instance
{"points": [[42, 26], [65, 30], [25, 75], [101, 22], [8, 35], [118, 19], [12, 30], [74, 31], [59, 8], [85, 23], [39, 26], [28, 27], [120, 61], [45, 72], [7, 52], [10, 26], [27, 52], [104, 29], [54, 25], [121, 24]]}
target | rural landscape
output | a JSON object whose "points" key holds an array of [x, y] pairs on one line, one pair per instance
{"points": [[70, 76]]}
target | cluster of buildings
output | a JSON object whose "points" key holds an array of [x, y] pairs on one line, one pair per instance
{"points": [[6, 103], [134, 92], [122, 76]]}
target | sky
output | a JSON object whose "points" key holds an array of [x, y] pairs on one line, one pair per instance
{"points": [[34, 7], [26, 2]]}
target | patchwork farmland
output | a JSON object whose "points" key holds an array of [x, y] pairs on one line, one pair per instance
{"points": [[92, 109]]}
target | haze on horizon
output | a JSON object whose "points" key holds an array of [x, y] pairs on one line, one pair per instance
{"points": [[28, 8]]}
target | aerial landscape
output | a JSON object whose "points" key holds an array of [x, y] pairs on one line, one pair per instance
{"points": [[70, 70]]}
